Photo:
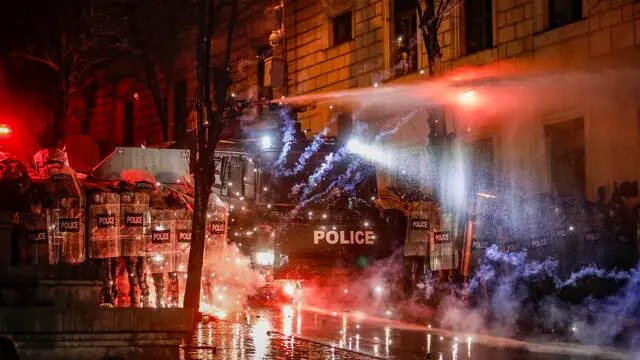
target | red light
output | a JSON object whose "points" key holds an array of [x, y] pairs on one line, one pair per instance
{"points": [[4, 130]]}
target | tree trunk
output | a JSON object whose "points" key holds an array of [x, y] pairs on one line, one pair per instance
{"points": [[429, 30], [438, 137], [437, 125], [89, 104], [55, 137], [202, 191], [159, 101], [196, 254]]}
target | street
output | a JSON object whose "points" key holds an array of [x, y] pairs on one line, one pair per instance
{"points": [[290, 332]]}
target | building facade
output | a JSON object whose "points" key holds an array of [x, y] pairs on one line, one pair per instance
{"points": [[120, 110], [576, 134], [554, 146], [336, 45]]}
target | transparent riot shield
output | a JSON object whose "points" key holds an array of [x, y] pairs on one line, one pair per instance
{"points": [[183, 245], [134, 223], [66, 231], [104, 225], [161, 248], [215, 233], [66, 217], [161, 257], [183, 239], [35, 225]]}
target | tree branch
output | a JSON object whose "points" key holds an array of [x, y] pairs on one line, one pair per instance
{"points": [[218, 121], [445, 7], [91, 64], [47, 61]]}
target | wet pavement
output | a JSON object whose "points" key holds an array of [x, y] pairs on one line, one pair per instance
{"points": [[233, 340], [290, 332]]}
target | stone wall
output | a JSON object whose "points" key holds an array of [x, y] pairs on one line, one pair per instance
{"points": [[107, 115], [317, 65], [606, 39], [94, 334], [521, 30], [255, 22]]}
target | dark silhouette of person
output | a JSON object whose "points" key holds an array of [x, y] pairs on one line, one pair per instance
{"points": [[8, 350]]}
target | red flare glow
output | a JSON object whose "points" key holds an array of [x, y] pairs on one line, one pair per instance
{"points": [[4, 130]]}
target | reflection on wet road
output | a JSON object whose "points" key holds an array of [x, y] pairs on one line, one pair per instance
{"points": [[257, 340], [267, 334]]}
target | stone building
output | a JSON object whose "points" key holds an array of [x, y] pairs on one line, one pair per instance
{"points": [[336, 45], [549, 145], [121, 110]]}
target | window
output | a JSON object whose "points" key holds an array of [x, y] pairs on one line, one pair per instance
{"points": [[405, 37], [482, 158], [566, 146], [478, 25], [264, 92], [129, 125], [345, 126], [342, 31], [563, 12], [236, 176], [180, 110]]}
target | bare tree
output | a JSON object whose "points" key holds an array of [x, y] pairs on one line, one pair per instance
{"points": [[71, 39], [431, 13], [213, 116], [152, 32]]}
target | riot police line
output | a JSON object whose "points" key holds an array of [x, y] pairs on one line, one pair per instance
{"points": [[572, 230], [132, 232]]}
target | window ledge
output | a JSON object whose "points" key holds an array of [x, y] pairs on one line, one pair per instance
{"points": [[410, 77], [400, 76], [481, 57], [560, 33], [342, 43]]}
